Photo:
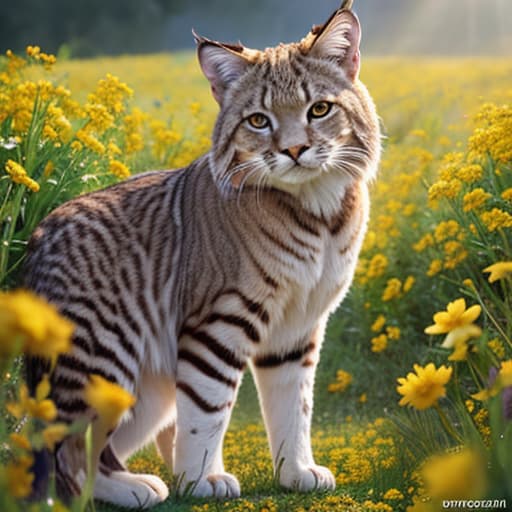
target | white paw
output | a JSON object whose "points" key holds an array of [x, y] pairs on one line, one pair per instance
{"points": [[130, 490], [308, 478], [219, 485]]}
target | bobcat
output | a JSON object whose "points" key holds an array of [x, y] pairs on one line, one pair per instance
{"points": [[177, 281]]}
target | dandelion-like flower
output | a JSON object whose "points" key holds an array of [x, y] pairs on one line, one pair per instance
{"points": [[455, 476], [108, 399], [456, 315], [498, 270], [37, 325], [422, 389]]}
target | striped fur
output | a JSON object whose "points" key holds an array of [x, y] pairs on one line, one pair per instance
{"points": [[177, 281]]}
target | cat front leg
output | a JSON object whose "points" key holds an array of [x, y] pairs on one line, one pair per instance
{"points": [[208, 376], [285, 387]]}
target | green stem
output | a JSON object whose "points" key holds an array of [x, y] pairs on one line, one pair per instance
{"points": [[5, 246], [447, 425]]}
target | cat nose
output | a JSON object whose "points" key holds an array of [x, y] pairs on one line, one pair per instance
{"points": [[294, 152]]}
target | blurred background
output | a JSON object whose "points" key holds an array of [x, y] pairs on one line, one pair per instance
{"points": [[84, 28]]}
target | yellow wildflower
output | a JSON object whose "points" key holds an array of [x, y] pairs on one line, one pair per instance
{"points": [[19, 175], [497, 348], [378, 265], [444, 189], [507, 194], [469, 173], [48, 169], [379, 323], [343, 381], [379, 343], [111, 93], [100, 119], [19, 478], [393, 332], [38, 325], [39, 407], [423, 243], [455, 253], [108, 399], [119, 169], [505, 373], [89, 141], [446, 229], [392, 290], [393, 494], [20, 440], [499, 270], [496, 219], [422, 389], [408, 283], [458, 338], [436, 266], [54, 434], [363, 398], [455, 476], [475, 199], [455, 316]]}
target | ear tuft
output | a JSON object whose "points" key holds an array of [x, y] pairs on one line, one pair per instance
{"points": [[222, 64], [338, 40]]}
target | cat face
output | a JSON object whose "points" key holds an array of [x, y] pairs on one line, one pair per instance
{"points": [[293, 114]]}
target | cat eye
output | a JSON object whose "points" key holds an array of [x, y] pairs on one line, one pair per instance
{"points": [[258, 121], [319, 109]]}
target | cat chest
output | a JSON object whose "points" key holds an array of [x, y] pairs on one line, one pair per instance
{"points": [[319, 285]]}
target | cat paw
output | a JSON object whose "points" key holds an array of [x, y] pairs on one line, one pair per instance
{"points": [[219, 485], [308, 478], [130, 490]]}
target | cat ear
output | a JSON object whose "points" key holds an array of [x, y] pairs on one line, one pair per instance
{"points": [[221, 63], [339, 40]]}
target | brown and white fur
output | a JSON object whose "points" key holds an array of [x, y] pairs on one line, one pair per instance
{"points": [[177, 281]]}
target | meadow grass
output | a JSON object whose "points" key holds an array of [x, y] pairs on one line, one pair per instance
{"points": [[441, 215]]}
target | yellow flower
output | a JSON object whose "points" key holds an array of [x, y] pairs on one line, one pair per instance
{"points": [[378, 265], [446, 229], [423, 389], [435, 267], [379, 323], [108, 399], [343, 381], [409, 283], [19, 478], [54, 434], [424, 242], [455, 316], [393, 494], [458, 338], [475, 199], [505, 374], [37, 407], [499, 270], [455, 476], [39, 326], [20, 440], [379, 343], [392, 290], [119, 169], [496, 219], [393, 332], [363, 398], [19, 175], [507, 194], [497, 348]]}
